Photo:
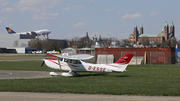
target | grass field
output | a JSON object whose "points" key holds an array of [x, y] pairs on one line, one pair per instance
{"points": [[137, 80]]}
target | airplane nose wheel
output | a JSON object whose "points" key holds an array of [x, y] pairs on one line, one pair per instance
{"points": [[53, 73]]}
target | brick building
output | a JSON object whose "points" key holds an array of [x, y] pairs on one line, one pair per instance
{"points": [[160, 38]]}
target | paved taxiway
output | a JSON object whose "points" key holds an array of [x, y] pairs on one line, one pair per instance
{"points": [[12, 74], [26, 96]]}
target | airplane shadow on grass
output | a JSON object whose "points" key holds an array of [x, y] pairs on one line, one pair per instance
{"points": [[93, 74], [101, 74]]}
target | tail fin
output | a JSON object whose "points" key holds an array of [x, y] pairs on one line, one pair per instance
{"points": [[10, 31], [125, 59]]}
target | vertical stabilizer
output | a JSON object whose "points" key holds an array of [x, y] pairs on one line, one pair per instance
{"points": [[10, 31], [125, 59]]}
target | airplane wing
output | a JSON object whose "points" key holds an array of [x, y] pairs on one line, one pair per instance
{"points": [[73, 57]]}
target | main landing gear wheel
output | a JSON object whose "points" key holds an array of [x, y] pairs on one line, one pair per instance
{"points": [[53, 74]]}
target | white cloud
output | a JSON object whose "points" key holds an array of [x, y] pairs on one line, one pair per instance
{"points": [[133, 16], [44, 24], [4, 3], [80, 24], [0, 21], [61, 25], [7, 10], [91, 1], [154, 13], [37, 5], [72, 7], [107, 10], [9, 25], [119, 12], [178, 26], [45, 16]]}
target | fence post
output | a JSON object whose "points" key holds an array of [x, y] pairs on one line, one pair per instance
{"points": [[136, 57], [178, 60], [150, 57], [164, 58]]}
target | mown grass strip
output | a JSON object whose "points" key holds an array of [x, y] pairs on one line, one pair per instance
{"points": [[137, 80]]}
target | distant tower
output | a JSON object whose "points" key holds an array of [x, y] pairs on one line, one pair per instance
{"points": [[87, 35], [172, 29], [94, 38], [135, 32], [166, 31], [100, 38], [141, 29]]}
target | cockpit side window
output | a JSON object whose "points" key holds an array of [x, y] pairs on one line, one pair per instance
{"points": [[65, 60], [83, 61], [79, 62], [60, 59], [76, 62]]}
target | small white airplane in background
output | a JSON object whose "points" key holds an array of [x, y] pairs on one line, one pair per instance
{"points": [[75, 63], [38, 32], [52, 52]]}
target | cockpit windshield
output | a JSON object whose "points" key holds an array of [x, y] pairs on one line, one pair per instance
{"points": [[72, 61]]}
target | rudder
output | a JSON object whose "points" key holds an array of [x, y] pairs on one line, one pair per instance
{"points": [[125, 59], [10, 31]]}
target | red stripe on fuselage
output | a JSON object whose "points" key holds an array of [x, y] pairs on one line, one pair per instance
{"points": [[52, 60], [113, 66], [74, 65]]}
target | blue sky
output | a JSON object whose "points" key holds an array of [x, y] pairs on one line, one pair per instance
{"points": [[73, 18]]}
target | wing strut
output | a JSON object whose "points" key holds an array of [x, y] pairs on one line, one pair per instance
{"points": [[59, 63]]}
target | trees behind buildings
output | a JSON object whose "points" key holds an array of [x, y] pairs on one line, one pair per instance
{"points": [[82, 42], [169, 43], [86, 42], [145, 41], [46, 44]]}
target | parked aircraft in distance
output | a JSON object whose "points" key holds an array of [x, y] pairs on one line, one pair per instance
{"points": [[38, 32], [53, 52], [76, 63]]}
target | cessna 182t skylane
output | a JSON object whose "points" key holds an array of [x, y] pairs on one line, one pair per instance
{"points": [[76, 63]]}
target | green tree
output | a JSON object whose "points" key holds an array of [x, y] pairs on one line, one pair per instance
{"points": [[35, 43], [144, 41]]}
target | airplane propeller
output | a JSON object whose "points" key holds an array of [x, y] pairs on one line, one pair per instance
{"points": [[42, 62]]}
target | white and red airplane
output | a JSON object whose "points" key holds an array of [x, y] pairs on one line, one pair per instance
{"points": [[76, 63]]}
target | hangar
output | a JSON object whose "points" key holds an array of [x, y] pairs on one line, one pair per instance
{"points": [[17, 49], [15, 43]]}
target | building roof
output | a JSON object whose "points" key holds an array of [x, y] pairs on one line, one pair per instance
{"points": [[170, 34], [85, 49], [166, 24], [172, 24], [141, 26], [95, 36], [151, 35], [135, 25], [162, 29], [131, 34]]}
